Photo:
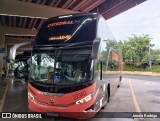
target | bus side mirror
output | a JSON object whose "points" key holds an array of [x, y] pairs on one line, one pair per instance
{"points": [[95, 48]]}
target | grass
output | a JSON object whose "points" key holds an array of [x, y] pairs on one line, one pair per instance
{"points": [[155, 68]]}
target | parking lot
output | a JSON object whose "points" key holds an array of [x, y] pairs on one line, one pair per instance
{"points": [[136, 94]]}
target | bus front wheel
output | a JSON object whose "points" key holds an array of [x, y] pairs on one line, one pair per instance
{"points": [[107, 95]]}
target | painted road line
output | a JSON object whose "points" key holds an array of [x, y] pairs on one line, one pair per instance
{"points": [[134, 98], [3, 99]]}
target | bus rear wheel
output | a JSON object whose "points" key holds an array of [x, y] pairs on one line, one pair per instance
{"points": [[108, 91]]}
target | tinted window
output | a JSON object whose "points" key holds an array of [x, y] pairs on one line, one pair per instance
{"points": [[68, 30]]}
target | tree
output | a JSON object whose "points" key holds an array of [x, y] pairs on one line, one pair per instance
{"points": [[155, 56], [136, 49]]}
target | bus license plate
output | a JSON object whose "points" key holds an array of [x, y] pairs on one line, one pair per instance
{"points": [[52, 114]]}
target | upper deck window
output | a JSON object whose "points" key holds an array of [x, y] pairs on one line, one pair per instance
{"points": [[67, 30]]}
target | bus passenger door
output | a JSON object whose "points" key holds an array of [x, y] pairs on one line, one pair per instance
{"points": [[113, 70]]}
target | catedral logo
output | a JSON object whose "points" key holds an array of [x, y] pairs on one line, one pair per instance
{"points": [[62, 37], [59, 23]]}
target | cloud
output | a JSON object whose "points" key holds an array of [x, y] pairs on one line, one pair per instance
{"points": [[142, 19]]}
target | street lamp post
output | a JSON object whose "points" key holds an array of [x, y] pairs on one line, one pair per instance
{"points": [[150, 62]]}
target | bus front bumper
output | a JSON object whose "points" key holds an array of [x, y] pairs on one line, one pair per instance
{"points": [[81, 111]]}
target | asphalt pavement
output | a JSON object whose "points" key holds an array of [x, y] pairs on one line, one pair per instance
{"points": [[136, 94]]}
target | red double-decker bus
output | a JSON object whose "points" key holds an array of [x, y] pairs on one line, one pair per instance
{"points": [[75, 66]]}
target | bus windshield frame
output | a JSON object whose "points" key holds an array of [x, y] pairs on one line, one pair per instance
{"points": [[65, 66]]}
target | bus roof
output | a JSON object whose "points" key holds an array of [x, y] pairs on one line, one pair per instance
{"points": [[73, 15]]}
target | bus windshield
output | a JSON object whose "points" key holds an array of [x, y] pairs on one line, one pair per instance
{"points": [[61, 66]]}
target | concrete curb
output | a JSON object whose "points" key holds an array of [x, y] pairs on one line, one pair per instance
{"points": [[141, 73]]}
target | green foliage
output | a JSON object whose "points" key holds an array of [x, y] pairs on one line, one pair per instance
{"points": [[103, 67], [155, 68], [155, 56], [132, 68], [136, 49]]}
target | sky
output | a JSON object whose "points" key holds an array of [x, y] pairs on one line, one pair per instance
{"points": [[141, 19]]}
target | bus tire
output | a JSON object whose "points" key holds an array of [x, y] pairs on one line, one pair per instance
{"points": [[106, 98], [108, 91]]}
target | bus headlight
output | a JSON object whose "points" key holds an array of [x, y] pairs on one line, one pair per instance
{"points": [[31, 96], [86, 99]]}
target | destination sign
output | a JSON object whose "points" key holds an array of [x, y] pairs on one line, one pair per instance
{"points": [[62, 37], [59, 23]]}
